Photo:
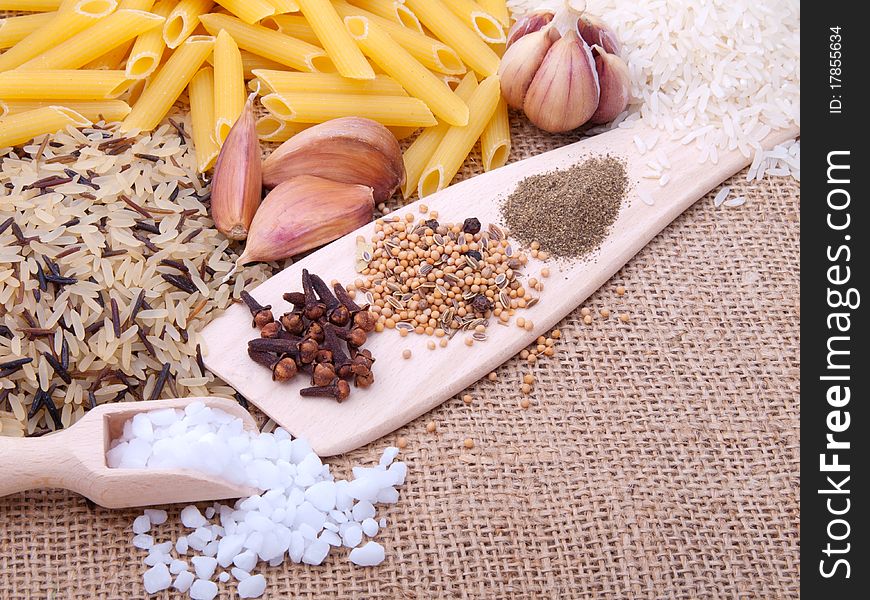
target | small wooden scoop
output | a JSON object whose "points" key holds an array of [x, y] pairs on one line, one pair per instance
{"points": [[75, 459]]}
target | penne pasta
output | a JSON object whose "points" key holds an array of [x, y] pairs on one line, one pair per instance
{"points": [[201, 93], [252, 62], [458, 141], [345, 54], [249, 11], [30, 5], [62, 85], [417, 156], [15, 29], [23, 127], [93, 42], [272, 129], [284, 6], [293, 25], [431, 53], [229, 85], [452, 30], [183, 19], [305, 107], [325, 83], [149, 47], [498, 9], [404, 68], [63, 26], [114, 58], [93, 110], [495, 143], [275, 46], [480, 21], [167, 84], [394, 10]]}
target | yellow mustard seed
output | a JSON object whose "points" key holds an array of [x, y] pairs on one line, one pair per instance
{"points": [[620, 290], [430, 427], [430, 344], [529, 378], [545, 272], [406, 354], [585, 311], [588, 319], [525, 403], [521, 322], [604, 312], [469, 341], [526, 388], [467, 398], [402, 443], [624, 317], [556, 334], [468, 443], [529, 326], [443, 342], [424, 209], [492, 376]]}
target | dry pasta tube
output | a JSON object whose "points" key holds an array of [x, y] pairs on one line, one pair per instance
{"points": [[404, 68], [431, 53], [62, 85], [417, 156], [295, 26], [475, 17], [63, 26], [458, 142], [275, 46], [495, 143], [229, 85], [15, 29], [345, 54], [93, 110], [30, 5], [201, 92], [328, 83], [183, 20], [272, 129], [452, 30], [149, 47], [166, 86], [498, 9], [252, 62], [95, 41], [23, 127], [114, 58], [249, 11], [394, 10], [304, 107], [284, 6]]}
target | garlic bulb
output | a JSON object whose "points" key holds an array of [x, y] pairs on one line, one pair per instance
{"points": [[562, 68]]}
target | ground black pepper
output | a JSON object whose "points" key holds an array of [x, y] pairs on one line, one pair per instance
{"points": [[569, 212]]}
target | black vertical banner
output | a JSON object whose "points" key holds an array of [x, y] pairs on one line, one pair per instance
{"points": [[835, 228]]}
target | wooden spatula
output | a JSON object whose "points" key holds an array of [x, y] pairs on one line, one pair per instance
{"points": [[405, 389], [75, 459]]}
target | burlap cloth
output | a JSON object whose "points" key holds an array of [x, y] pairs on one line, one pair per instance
{"points": [[659, 458]]}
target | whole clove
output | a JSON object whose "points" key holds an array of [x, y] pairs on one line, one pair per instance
{"points": [[262, 314], [339, 390]]}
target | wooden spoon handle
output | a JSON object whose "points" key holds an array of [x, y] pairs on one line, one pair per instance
{"points": [[30, 463]]}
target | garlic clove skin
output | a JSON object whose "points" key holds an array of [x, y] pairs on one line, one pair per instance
{"points": [[237, 181], [347, 150], [303, 213], [528, 24], [615, 86], [596, 32], [519, 65], [564, 92]]}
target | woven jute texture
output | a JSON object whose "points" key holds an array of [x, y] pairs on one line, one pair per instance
{"points": [[659, 457]]}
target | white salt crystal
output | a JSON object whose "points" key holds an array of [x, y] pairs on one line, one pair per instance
{"points": [[143, 541], [136, 455], [315, 553], [181, 545], [224, 577], [308, 515], [252, 587], [370, 527], [209, 512], [157, 517], [383, 522], [297, 547], [203, 590], [398, 471], [211, 549], [192, 518], [352, 536], [156, 557], [204, 533], [369, 555], [388, 495], [239, 574], [331, 538], [196, 542], [254, 542], [141, 524], [142, 427], [183, 581], [228, 549], [247, 560], [177, 566], [204, 566], [115, 455], [366, 488], [321, 495], [388, 456], [157, 578], [363, 510]]}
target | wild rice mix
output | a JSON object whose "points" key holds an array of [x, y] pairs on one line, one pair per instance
{"points": [[109, 268]]}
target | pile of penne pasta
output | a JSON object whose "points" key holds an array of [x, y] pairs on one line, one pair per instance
{"points": [[408, 64]]}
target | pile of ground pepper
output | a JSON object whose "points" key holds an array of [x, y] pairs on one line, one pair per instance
{"points": [[569, 212]]}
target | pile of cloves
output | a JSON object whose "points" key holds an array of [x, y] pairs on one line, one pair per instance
{"points": [[323, 336]]}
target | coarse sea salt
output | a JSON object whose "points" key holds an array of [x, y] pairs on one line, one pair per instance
{"points": [[302, 513]]}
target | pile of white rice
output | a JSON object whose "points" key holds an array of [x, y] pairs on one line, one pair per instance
{"points": [[719, 74], [165, 182]]}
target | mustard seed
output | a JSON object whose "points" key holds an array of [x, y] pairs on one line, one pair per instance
{"points": [[624, 317], [430, 427], [469, 341], [492, 376], [588, 319], [467, 398], [526, 388], [604, 312], [443, 342], [620, 291], [545, 272], [402, 443], [556, 334], [525, 403], [529, 378], [424, 209], [529, 326], [468, 443], [406, 354], [430, 345], [585, 311]]}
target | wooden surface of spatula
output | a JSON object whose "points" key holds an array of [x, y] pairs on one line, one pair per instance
{"points": [[405, 389], [75, 459]]}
